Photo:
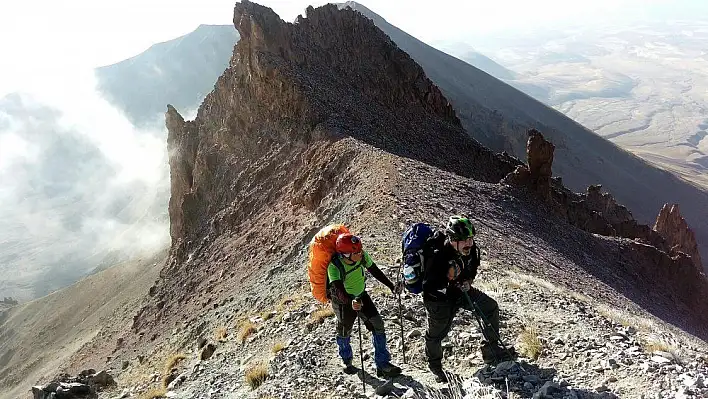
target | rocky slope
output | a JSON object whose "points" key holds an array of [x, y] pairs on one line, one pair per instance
{"points": [[327, 120], [573, 347], [38, 339]]}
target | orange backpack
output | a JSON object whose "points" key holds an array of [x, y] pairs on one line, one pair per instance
{"points": [[322, 248]]}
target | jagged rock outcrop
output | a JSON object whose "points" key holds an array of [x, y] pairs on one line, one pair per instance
{"points": [[540, 160], [182, 146], [536, 175], [599, 213], [9, 301], [679, 235]]}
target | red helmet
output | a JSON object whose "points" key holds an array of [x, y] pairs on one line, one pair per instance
{"points": [[348, 244]]}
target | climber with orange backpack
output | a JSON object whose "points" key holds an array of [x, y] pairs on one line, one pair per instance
{"points": [[345, 286]]}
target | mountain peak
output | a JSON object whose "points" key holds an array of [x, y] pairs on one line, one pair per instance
{"points": [[303, 45]]}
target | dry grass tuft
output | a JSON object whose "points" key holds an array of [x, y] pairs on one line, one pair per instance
{"points": [[491, 288], [530, 344], [319, 315], [654, 346], [461, 389], [169, 365], [580, 297], [614, 315], [256, 375], [154, 393], [514, 283], [220, 334], [657, 344], [277, 346], [267, 315], [173, 361], [247, 329]]}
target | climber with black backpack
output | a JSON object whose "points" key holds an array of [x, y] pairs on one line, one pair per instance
{"points": [[442, 266], [346, 280]]}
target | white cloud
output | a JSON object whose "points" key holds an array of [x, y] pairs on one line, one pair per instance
{"points": [[79, 180]]}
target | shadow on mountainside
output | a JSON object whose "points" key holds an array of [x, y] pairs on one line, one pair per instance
{"points": [[523, 379], [642, 278], [400, 385]]}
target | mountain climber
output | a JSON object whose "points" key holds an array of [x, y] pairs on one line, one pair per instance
{"points": [[350, 299], [449, 273]]}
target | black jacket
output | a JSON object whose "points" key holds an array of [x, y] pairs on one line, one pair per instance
{"points": [[436, 286]]}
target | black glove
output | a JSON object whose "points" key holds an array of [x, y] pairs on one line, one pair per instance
{"points": [[338, 292]]}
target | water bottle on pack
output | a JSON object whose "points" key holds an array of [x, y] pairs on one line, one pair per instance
{"points": [[409, 274]]}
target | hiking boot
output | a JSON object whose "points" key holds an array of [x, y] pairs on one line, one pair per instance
{"points": [[388, 371], [439, 373], [349, 368], [495, 354]]}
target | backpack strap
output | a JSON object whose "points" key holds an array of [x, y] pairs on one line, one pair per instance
{"points": [[338, 263]]}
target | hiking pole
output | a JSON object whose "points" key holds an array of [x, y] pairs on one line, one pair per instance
{"points": [[361, 350], [479, 322], [400, 313], [480, 315]]}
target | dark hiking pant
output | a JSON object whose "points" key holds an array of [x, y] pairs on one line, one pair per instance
{"points": [[346, 316], [441, 313]]}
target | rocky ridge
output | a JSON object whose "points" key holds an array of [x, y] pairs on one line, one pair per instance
{"points": [[235, 168]]}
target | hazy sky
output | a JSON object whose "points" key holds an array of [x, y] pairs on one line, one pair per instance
{"points": [[37, 36]]}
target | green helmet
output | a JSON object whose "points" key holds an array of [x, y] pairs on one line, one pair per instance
{"points": [[459, 228]]}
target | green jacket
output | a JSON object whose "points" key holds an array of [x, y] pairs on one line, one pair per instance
{"points": [[354, 278]]}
